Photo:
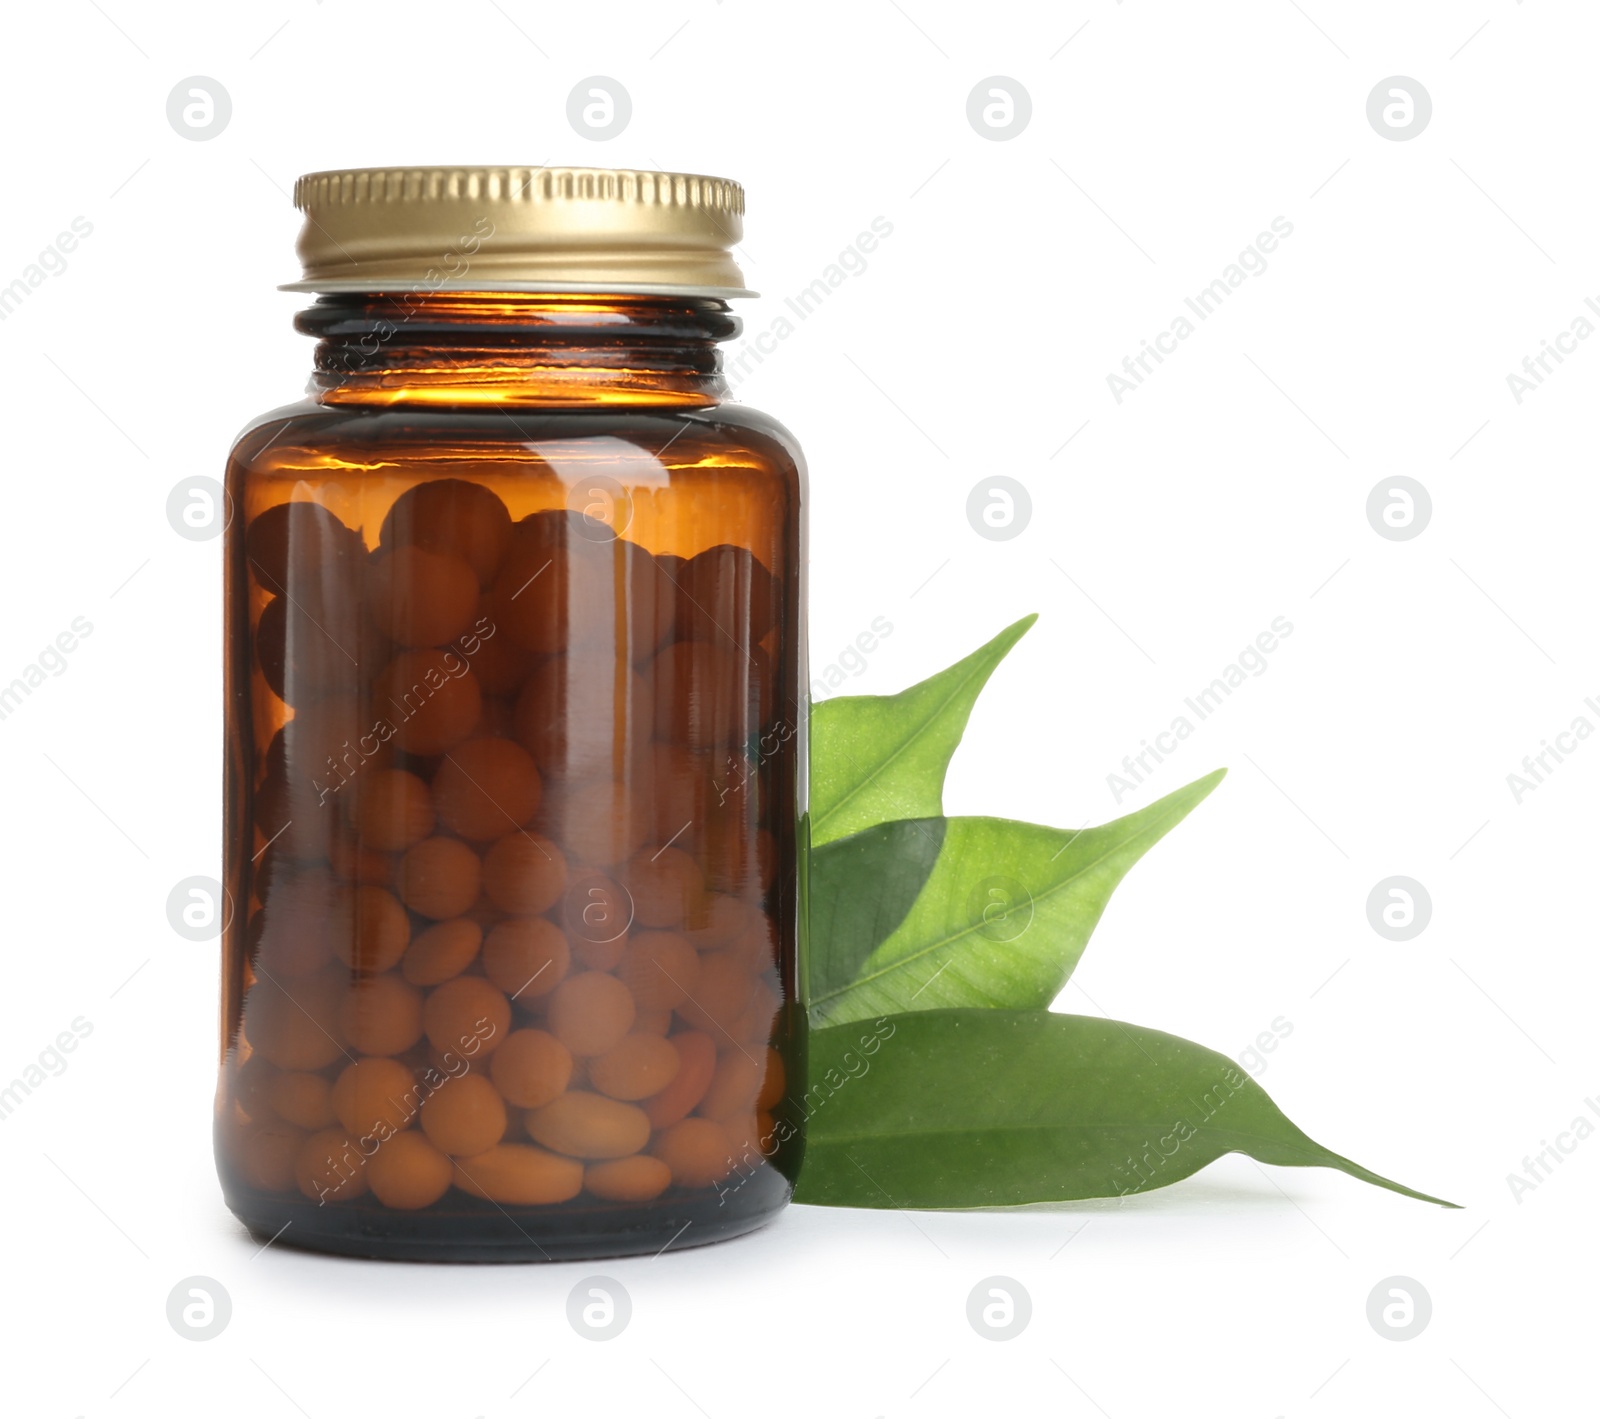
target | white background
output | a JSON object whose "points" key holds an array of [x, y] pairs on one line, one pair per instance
{"points": [[1228, 490]]}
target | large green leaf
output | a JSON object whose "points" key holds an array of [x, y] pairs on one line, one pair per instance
{"points": [[879, 757], [862, 887], [979, 1108], [1005, 914]]}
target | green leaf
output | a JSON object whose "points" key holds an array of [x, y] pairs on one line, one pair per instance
{"points": [[880, 757], [982, 1108], [861, 888], [1005, 914]]}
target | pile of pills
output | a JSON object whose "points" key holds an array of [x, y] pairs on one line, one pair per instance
{"points": [[515, 849]]}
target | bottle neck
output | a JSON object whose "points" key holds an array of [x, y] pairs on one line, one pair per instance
{"points": [[520, 349]]}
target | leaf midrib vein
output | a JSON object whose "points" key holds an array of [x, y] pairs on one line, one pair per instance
{"points": [[879, 1135], [1060, 886], [905, 744]]}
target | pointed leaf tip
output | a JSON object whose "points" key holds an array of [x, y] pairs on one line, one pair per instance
{"points": [[1004, 915], [879, 758], [985, 1108]]}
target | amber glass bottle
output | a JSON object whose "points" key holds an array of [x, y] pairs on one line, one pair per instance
{"points": [[514, 630]]}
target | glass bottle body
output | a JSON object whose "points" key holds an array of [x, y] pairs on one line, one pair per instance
{"points": [[514, 788]]}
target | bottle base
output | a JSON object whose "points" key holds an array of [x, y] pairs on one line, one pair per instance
{"points": [[468, 1229]]}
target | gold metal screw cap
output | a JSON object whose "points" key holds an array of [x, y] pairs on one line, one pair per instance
{"points": [[519, 229]]}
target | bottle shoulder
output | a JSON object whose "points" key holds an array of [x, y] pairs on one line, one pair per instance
{"points": [[291, 422], [761, 426], [308, 431]]}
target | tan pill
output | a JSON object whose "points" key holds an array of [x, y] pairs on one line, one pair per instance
{"points": [[316, 640], [500, 666], [598, 821], [697, 1062], [451, 516], [485, 788], [484, 911], [419, 597], [752, 1137], [635, 1179], [758, 1022], [726, 594], [584, 715], [520, 1174], [707, 695], [524, 873], [494, 720], [408, 1172], [598, 955], [525, 605], [652, 1022], [353, 861], [584, 1125], [330, 1168], [441, 951], [297, 542], [440, 877], [721, 994], [464, 1115], [381, 1015], [667, 886], [430, 697], [722, 921], [370, 928], [757, 943], [737, 860], [374, 1097], [661, 969], [591, 1012], [531, 1068], [295, 1025], [291, 934], [466, 1015], [251, 1082], [305, 1100], [596, 914], [635, 1068], [553, 588], [292, 809], [527, 957], [772, 1081], [733, 1088], [681, 793], [698, 1151], [392, 809]]}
